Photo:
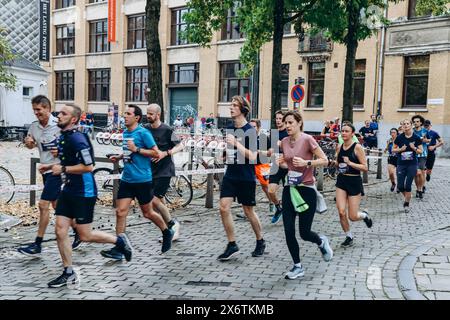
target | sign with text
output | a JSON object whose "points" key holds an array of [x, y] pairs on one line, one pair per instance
{"points": [[44, 30], [112, 20]]}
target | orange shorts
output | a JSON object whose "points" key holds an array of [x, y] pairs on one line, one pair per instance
{"points": [[262, 172]]}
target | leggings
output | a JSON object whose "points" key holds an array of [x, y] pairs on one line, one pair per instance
{"points": [[405, 176], [305, 220]]}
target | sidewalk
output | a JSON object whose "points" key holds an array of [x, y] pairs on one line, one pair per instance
{"points": [[403, 256]]}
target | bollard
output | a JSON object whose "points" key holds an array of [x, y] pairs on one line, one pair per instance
{"points": [[33, 163], [379, 164], [320, 178], [209, 191], [191, 160]]}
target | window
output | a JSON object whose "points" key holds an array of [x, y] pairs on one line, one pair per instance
{"points": [[27, 92], [230, 83], [359, 79], [415, 85], [284, 85], [178, 24], [65, 39], [137, 84], [287, 29], [231, 29], [99, 85], [65, 85], [136, 32], [96, 1], [316, 84], [412, 10], [64, 3], [183, 73], [98, 36]]}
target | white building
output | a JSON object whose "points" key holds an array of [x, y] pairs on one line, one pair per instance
{"points": [[15, 106]]}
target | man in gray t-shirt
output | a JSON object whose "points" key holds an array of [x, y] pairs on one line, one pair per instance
{"points": [[44, 134]]}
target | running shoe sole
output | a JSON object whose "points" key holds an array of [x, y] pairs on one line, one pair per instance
{"points": [[127, 244], [110, 257], [72, 282], [295, 277], [81, 245], [231, 256], [34, 255]]}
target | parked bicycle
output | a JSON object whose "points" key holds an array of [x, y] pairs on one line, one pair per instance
{"points": [[179, 192], [6, 180]]}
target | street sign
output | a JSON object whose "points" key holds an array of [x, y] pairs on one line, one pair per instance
{"points": [[298, 93]]}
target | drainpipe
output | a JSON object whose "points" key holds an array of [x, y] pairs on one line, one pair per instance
{"points": [[381, 65]]}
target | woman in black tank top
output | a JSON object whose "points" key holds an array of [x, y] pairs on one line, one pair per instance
{"points": [[351, 160]]}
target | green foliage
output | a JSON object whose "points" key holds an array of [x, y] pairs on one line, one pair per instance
{"points": [[6, 56], [435, 7]]}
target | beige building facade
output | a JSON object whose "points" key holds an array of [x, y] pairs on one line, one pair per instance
{"points": [[407, 68]]}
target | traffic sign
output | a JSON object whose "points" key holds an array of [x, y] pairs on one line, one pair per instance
{"points": [[297, 93]]}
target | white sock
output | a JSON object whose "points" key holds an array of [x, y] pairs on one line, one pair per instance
{"points": [[349, 234], [363, 215], [299, 265]]}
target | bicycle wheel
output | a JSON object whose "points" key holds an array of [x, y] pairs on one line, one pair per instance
{"points": [[6, 180], [103, 186], [180, 191]]}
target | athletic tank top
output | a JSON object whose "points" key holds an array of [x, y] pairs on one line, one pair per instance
{"points": [[343, 168]]}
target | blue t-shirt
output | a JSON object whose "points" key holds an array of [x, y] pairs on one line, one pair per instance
{"points": [[75, 148], [422, 133], [138, 170], [434, 136], [374, 126], [407, 157], [239, 167]]}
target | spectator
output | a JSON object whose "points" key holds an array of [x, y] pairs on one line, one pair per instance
{"points": [[335, 128], [210, 121], [178, 122], [326, 130], [203, 123], [374, 126]]}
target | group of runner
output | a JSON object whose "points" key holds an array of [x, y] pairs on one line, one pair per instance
{"points": [[289, 156], [412, 153]]}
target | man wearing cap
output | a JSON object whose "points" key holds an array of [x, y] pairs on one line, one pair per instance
{"points": [[435, 142]]}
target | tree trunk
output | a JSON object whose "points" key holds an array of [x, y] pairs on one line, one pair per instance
{"points": [[352, 45], [277, 56], [155, 81]]}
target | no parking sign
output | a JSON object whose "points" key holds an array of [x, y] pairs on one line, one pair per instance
{"points": [[297, 93]]}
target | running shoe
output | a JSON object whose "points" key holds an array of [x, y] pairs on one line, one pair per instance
{"points": [[64, 280], [420, 195], [277, 216], [176, 229], [77, 243], [367, 220], [259, 250], [113, 253], [230, 252], [348, 242], [126, 249], [406, 207], [417, 194], [428, 177], [295, 273], [167, 240], [327, 252], [423, 189], [32, 250], [393, 187]]}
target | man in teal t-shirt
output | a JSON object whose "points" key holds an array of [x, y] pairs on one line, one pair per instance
{"points": [[136, 183], [420, 131]]}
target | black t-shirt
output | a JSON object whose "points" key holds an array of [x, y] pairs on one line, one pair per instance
{"points": [[263, 145], [408, 156], [165, 139], [239, 167], [365, 131]]}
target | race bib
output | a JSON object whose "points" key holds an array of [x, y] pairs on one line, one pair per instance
{"points": [[294, 178], [47, 146], [343, 168], [407, 155]]}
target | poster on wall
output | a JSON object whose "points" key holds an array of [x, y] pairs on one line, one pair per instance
{"points": [[44, 30]]}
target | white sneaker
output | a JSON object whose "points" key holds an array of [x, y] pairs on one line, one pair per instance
{"points": [[294, 273], [327, 252]]}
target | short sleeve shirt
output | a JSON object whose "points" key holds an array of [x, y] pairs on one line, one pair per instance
{"points": [[239, 167], [408, 156], [46, 138], [138, 170], [165, 139], [422, 133], [304, 147]]}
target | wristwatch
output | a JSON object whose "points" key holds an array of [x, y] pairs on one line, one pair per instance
{"points": [[138, 150], [309, 163], [63, 169]]}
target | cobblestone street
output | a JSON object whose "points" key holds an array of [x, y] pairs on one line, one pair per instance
{"points": [[403, 256]]}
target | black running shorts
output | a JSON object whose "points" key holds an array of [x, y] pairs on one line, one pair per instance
{"points": [[74, 207], [353, 185], [143, 192], [160, 186], [244, 191]]}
